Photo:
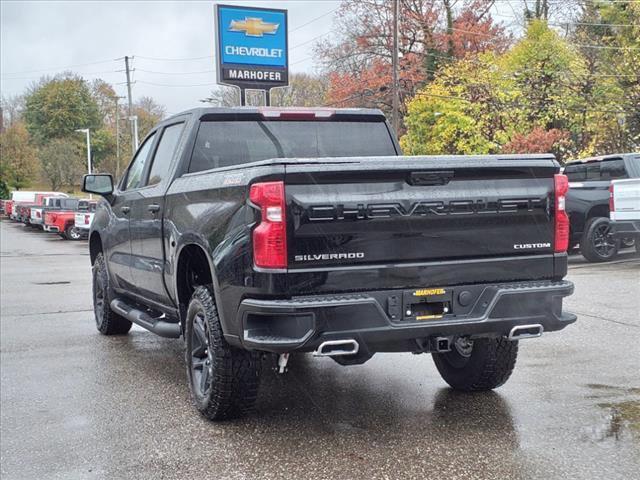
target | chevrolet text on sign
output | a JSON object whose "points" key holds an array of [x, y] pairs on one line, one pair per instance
{"points": [[252, 46]]}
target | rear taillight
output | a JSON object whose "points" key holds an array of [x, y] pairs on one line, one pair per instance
{"points": [[612, 203], [87, 219], [270, 236], [561, 184]]}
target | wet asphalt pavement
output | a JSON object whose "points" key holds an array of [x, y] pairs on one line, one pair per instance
{"points": [[78, 405]]}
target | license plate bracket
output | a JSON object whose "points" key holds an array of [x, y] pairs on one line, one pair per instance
{"points": [[427, 304]]}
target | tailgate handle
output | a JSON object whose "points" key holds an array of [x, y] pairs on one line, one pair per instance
{"points": [[431, 178]]}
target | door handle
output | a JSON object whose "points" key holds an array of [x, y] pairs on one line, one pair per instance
{"points": [[153, 208], [125, 209]]}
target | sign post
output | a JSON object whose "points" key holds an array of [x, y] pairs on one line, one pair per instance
{"points": [[252, 48]]}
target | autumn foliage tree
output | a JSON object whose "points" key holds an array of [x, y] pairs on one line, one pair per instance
{"points": [[538, 140], [431, 34], [18, 156], [529, 99]]}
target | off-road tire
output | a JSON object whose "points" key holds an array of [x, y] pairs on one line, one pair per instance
{"points": [[489, 365], [71, 233], [234, 373], [587, 244], [107, 321]]}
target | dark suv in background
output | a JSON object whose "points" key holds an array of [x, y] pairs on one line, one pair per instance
{"points": [[588, 202]]}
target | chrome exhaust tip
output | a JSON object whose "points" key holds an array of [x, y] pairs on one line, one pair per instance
{"points": [[334, 348], [526, 331]]}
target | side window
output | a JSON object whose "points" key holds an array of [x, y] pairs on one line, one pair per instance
{"points": [[134, 175], [611, 169], [576, 173], [164, 153]]}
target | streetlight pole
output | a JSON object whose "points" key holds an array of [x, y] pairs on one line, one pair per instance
{"points": [[86, 131]]}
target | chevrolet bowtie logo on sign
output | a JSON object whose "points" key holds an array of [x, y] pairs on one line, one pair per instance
{"points": [[252, 47], [253, 27]]}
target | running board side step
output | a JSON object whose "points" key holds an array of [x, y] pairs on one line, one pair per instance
{"points": [[143, 319], [526, 331]]}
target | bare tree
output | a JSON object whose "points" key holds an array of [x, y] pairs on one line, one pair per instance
{"points": [[304, 90]]}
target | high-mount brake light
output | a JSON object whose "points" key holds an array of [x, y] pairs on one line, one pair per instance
{"points": [[297, 114], [612, 203], [270, 236], [561, 184]]}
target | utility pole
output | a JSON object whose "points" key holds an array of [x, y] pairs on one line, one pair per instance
{"points": [[394, 61], [134, 145], [117, 99]]}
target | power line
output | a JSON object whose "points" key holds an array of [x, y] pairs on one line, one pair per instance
{"points": [[175, 73], [453, 97], [63, 68], [81, 74], [604, 47], [174, 59], [311, 21], [564, 24], [560, 2], [310, 40], [176, 85]]}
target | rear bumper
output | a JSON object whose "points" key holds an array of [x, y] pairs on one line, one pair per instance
{"points": [[51, 228], [378, 320], [625, 228]]}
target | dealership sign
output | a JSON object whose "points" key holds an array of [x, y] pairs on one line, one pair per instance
{"points": [[252, 47]]}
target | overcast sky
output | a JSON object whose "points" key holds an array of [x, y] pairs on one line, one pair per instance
{"points": [[40, 37], [48, 37]]}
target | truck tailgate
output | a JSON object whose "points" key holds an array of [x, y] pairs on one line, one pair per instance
{"points": [[626, 199], [395, 210]]}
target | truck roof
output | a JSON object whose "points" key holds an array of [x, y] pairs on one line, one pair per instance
{"points": [[600, 158], [277, 112]]}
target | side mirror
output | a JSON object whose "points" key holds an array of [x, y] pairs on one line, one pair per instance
{"points": [[101, 184]]}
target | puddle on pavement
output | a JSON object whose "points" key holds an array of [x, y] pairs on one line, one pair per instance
{"points": [[619, 417]]}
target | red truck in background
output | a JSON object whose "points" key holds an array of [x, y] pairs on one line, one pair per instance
{"points": [[26, 199], [57, 202], [63, 221]]}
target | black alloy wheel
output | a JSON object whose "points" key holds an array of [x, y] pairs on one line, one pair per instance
{"points": [[99, 297], [603, 241], [201, 357], [598, 243]]}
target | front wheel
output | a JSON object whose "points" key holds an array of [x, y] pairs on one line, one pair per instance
{"points": [[223, 379], [107, 321], [477, 365], [598, 244]]}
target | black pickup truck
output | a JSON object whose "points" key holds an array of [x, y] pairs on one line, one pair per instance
{"points": [[588, 203], [251, 231]]}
